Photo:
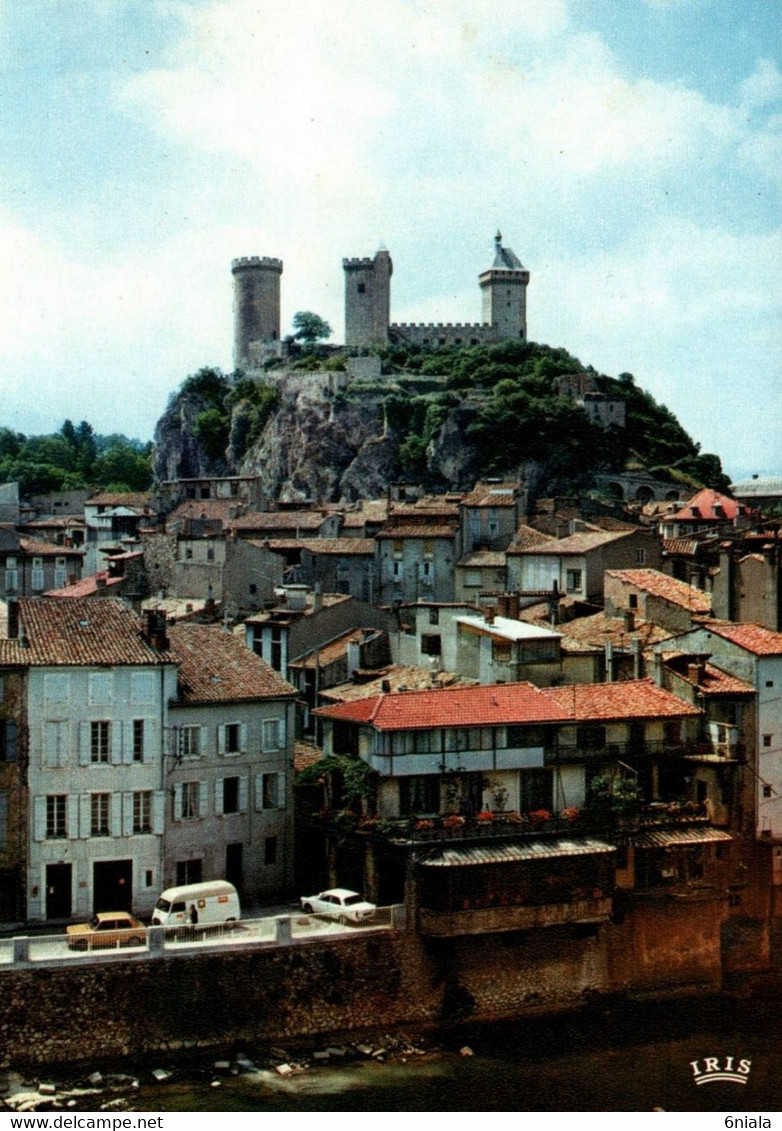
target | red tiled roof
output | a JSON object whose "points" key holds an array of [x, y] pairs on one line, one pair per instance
{"points": [[491, 559], [658, 584], [527, 538], [79, 632], [48, 549], [279, 520], [512, 703], [579, 543], [717, 682], [495, 704], [627, 699], [598, 628], [425, 530], [86, 586], [305, 754], [134, 500], [339, 546], [217, 667], [209, 509], [492, 495], [752, 637], [704, 503]]}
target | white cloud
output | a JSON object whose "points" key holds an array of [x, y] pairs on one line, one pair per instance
{"points": [[764, 85]]}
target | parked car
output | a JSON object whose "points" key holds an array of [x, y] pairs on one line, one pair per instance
{"points": [[341, 904], [107, 930]]}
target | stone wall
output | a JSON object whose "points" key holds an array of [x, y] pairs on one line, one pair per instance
{"points": [[134, 1006]]}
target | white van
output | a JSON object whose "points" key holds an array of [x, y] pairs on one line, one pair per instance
{"points": [[215, 901]]}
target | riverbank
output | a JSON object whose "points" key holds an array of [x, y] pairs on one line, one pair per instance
{"points": [[611, 1056]]}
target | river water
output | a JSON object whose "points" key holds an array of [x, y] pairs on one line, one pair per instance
{"points": [[622, 1058]]}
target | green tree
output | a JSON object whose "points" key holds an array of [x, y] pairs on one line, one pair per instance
{"points": [[310, 328]]}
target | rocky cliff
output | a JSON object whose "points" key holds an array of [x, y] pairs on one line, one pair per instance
{"points": [[319, 441]]}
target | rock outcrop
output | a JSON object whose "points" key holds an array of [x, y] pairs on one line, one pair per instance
{"points": [[320, 442]]}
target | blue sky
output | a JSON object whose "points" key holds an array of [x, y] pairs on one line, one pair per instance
{"points": [[629, 150]]}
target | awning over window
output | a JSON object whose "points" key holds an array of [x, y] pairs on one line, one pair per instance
{"points": [[543, 849], [672, 838]]}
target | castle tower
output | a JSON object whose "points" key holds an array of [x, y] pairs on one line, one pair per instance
{"points": [[256, 305], [504, 288], [367, 299]]}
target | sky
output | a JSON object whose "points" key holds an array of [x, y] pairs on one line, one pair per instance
{"points": [[628, 151]]}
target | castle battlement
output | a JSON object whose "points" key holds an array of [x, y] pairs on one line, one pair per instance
{"points": [[358, 264], [436, 327], [265, 262]]}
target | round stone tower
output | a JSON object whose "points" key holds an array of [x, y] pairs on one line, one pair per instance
{"points": [[256, 305], [504, 287]]}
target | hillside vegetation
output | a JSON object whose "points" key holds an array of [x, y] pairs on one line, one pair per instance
{"points": [[75, 457], [438, 417]]}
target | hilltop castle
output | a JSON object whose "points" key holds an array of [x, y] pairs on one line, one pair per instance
{"points": [[368, 307]]}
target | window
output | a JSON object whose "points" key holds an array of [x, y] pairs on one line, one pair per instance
{"points": [[431, 645], [270, 850], [273, 791], [501, 651], [434, 616], [397, 570], [769, 683], [271, 734], [100, 737], [99, 814], [56, 688], [632, 600], [191, 800], [37, 574], [535, 790], [473, 579], [100, 688], [143, 687], [11, 574], [573, 580], [60, 573], [233, 743], [210, 554], [766, 741], [142, 811], [767, 791], [230, 795], [56, 816], [419, 794], [189, 872], [138, 740], [673, 731], [8, 735], [640, 557], [189, 742], [591, 737]]}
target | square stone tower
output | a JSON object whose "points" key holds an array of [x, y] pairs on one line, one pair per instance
{"points": [[504, 289], [367, 300]]}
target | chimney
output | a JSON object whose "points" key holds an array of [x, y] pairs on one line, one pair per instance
{"points": [[317, 598], [658, 669], [385, 686], [513, 606], [609, 662], [488, 613], [100, 585], [502, 605], [13, 618], [153, 629]]}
